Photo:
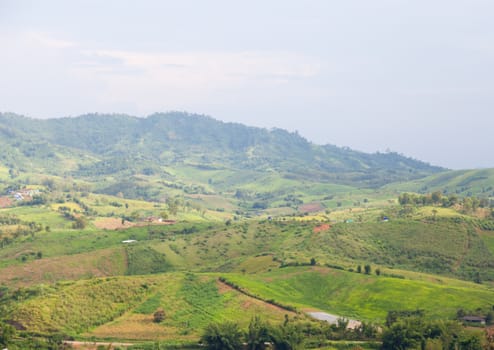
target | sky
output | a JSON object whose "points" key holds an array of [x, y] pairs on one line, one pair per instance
{"points": [[410, 76]]}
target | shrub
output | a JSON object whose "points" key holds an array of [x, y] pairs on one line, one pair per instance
{"points": [[159, 315], [222, 336]]}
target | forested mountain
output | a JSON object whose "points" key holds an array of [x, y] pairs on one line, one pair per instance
{"points": [[95, 145]]}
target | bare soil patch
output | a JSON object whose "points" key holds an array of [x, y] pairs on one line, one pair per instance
{"points": [[112, 224], [5, 202], [322, 228], [310, 207]]}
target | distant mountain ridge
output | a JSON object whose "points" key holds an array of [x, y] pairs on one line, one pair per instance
{"points": [[94, 145]]}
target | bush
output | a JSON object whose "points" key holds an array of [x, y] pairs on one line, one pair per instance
{"points": [[222, 336], [159, 315]]}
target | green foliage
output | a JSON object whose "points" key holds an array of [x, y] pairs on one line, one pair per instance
{"points": [[289, 336], [7, 332], [223, 336], [414, 332], [143, 259], [159, 315], [257, 334], [81, 305], [150, 305], [80, 223]]}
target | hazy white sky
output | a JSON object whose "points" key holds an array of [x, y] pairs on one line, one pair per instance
{"points": [[416, 77]]}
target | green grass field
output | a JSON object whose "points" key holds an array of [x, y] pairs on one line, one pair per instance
{"points": [[123, 307], [360, 296]]}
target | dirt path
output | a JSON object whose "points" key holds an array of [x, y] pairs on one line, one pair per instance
{"points": [[88, 345]]}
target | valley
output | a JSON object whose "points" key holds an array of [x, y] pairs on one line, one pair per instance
{"points": [[106, 221]]}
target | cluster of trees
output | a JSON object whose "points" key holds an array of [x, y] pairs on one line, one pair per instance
{"points": [[411, 330], [367, 269], [403, 330], [16, 228], [290, 335], [79, 222], [437, 198], [229, 336]]}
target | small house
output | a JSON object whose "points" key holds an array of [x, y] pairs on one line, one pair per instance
{"points": [[474, 320]]}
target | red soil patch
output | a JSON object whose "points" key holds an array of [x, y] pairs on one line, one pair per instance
{"points": [[5, 202], [321, 228], [116, 223], [310, 208], [223, 287], [256, 303]]}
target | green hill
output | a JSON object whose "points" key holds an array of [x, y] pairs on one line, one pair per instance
{"points": [[123, 307], [360, 296], [455, 246], [478, 182], [226, 156]]}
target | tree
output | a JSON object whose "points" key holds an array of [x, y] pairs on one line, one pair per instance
{"points": [[287, 337], [7, 332], [367, 330], [434, 214], [436, 197], [79, 223], [489, 318], [222, 336], [477, 278], [257, 334], [312, 261], [359, 269], [159, 315], [367, 269], [172, 205], [471, 342], [402, 335]]}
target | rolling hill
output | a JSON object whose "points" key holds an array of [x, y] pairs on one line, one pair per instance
{"points": [[228, 155], [216, 222]]}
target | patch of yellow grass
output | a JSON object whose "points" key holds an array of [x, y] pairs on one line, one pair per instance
{"points": [[139, 327], [73, 206], [438, 211]]}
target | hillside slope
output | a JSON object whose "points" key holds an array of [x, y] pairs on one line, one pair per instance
{"points": [[97, 145], [479, 182]]}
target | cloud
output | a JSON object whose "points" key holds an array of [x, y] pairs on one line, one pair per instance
{"points": [[155, 81], [204, 67], [45, 40]]}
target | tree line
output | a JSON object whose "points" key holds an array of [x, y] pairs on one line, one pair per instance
{"points": [[409, 329]]}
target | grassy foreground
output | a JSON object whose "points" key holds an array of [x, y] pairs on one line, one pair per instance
{"points": [[123, 307]]}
